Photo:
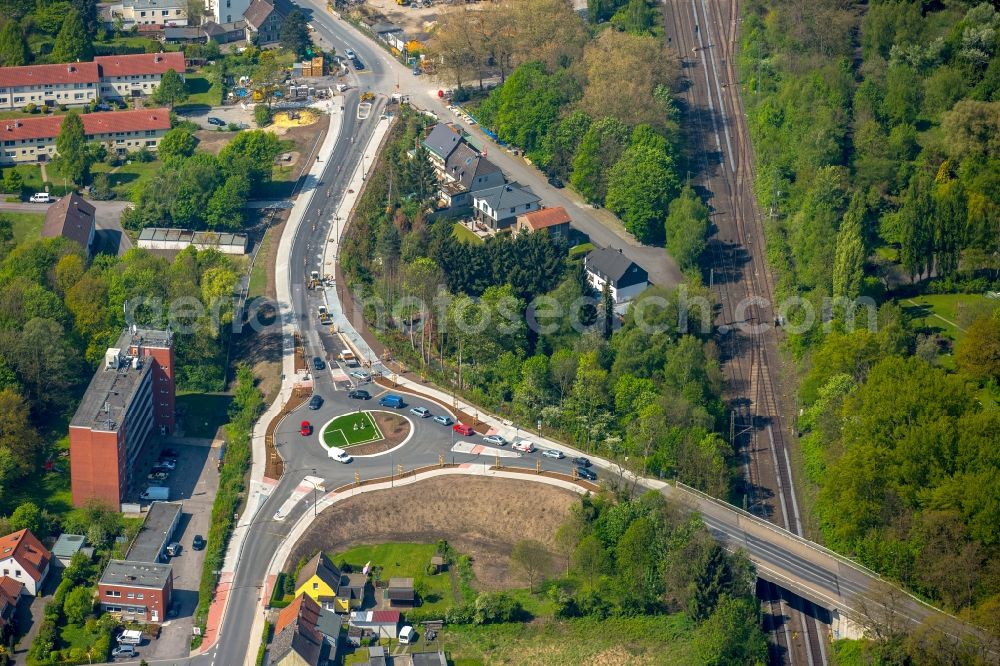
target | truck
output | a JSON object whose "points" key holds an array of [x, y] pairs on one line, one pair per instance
{"points": [[524, 446], [157, 493], [347, 356]]}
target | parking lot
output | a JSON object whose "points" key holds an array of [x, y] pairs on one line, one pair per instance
{"points": [[193, 483]]}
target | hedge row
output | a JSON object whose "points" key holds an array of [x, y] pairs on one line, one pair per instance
{"points": [[246, 407]]}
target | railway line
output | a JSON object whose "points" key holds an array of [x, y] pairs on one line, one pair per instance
{"points": [[704, 35]]}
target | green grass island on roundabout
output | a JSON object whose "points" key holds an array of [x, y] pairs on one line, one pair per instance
{"points": [[367, 432]]}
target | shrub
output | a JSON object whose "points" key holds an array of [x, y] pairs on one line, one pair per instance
{"points": [[262, 115], [496, 607]]}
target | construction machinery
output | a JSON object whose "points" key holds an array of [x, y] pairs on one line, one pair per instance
{"points": [[367, 96], [314, 281]]}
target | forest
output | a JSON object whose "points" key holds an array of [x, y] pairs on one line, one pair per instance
{"points": [[875, 131]]}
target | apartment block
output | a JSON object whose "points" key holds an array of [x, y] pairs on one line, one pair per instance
{"points": [[128, 76], [129, 400], [30, 140], [49, 85]]}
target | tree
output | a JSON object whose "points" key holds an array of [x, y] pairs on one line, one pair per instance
{"points": [[731, 635], [171, 90], [79, 604], [13, 45], [262, 115], [978, 353], [637, 560], [251, 153], [294, 34], [12, 181], [72, 148], [178, 142], [225, 207], [849, 262], [494, 607], [73, 42], [533, 559], [28, 516], [640, 187], [601, 146], [47, 371], [591, 559], [687, 228]]}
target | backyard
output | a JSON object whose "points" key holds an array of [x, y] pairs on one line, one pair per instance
{"points": [[26, 226], [203, 413], [350, 430], [204, 90], [126, 178]]}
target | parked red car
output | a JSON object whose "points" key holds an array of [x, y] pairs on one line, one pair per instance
{"points": [[463, 429], [306, 429]]}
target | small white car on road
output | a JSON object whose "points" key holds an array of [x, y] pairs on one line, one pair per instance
{"points": [[340, 455], [422, 412], [495, 440], [553, 453]]}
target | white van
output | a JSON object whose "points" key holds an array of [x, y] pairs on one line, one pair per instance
{"points": [[42, 197], [524, 446], [130, 637], [407, 635]]}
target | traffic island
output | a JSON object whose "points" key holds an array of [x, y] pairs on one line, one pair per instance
{"points": [[366, 433]]}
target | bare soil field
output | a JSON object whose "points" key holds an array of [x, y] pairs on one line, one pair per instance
{"points": [[481, 517]]}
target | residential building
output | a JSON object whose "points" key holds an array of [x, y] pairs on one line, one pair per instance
{"points": [[624, 277], [30, 140], [150, 544], [185, 35], [25, 559], [263, 23], [376, 656], [400, 592], [68, 545], [71, 217], [465, 174], [162, 238], [136, 590], [382, 623], [498, 207], [10, 594], [304, 635], [325, 584], [225, 33], [226, 11], [151, 12], [137, 75], [555, 222], [440, 143], [49, 85], [130, 398]]}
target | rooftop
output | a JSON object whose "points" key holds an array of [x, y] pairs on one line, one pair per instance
{"points": [[442, 140], [510, 195], [71, 217], [166, 234], [107, 122], [155, 4], [140, 63], [111, 390], [156, 529], [67, 545], [428, 659], [136, 574], [27, 551], [321, 566], [257, 12], [546, 217], [609, 263], [37, 75]]}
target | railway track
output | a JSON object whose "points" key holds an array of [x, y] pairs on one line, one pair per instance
{"points": [[704, 34]]}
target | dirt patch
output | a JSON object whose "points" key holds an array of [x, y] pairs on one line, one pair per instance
{"points": [[481, 517], [394, 429], [411, 18], [213, 141]]}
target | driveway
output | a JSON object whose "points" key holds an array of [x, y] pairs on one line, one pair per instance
{"points": [[193, 484], [29, 613]]}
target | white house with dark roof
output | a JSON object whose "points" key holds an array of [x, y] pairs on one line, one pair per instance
{"points": [[610, 266], [498, 207], [440, 143], [465, 174]]}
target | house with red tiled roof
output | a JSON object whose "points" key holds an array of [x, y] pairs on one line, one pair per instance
{"points": [[304, 635], [25, 559], [10, 592], [136, 75], [554, 220], [33, 139], [49, 85]]}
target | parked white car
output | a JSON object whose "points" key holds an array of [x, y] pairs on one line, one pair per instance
{"points": [[340, 455], [42, 197], [553, 453]]}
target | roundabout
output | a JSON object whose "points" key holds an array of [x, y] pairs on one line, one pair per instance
{"points": [[367, 432]]}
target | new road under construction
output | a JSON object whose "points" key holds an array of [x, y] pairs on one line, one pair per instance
{"points": [[704, 37]]}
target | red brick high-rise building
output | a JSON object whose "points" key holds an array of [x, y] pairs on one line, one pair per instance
{"points": [[130, 398]]}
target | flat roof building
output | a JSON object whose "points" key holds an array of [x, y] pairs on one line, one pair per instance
{"points": [[130, 398], [136, 590], [151, 542], [165, 238]]}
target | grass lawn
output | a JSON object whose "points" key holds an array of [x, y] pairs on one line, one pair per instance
{"points": [[462, 233], [26, 226], [940, 312], [406, 560], [77, 636], [127, 177], [342, 433], [201, 91], [663, 639], [203, 413], [31, 174], [258, 276], [48, 490]]}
